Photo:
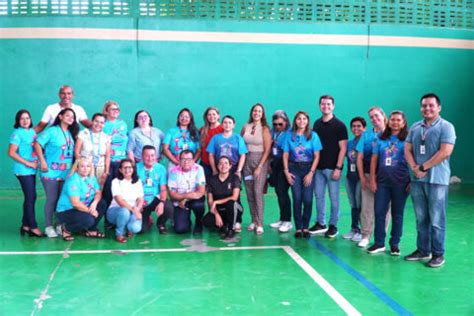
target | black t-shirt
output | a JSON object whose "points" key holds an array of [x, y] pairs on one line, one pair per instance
{"points": [[222, 189], [330, 133]]}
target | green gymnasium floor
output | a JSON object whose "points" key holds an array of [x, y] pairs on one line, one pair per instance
{"points": [[273, 274]]}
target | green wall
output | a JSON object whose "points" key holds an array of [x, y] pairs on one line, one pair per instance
{"points": [[163, 77]]}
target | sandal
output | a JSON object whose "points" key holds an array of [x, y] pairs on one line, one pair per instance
{"points": [[94, 234], [121, 239], [67, 236]]}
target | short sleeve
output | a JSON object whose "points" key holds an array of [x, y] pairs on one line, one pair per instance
{"points": [[360, 144], [342, 132], [200, 177], [409, 138], [167, 138], [162, 178], [46, 118], [448, 134], [95, 183], [72, 188], [80, 114], [131, 141], [316, 142], [139, 188], [15, 138], [242, 147], [116, 187], [286, 142], [376, 148], [235, 182], [172, 181], [45, 136], [210, 147]]}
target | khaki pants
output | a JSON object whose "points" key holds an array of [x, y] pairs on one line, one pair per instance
{"points": [[255, 187], [367, 212]]}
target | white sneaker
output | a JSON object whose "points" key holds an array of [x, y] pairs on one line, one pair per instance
{"points": [[50, 232], [259, 230], [357, 237], [276, 224], [59, 230], [349, 235], [285, 227], [363, 243], [237, 227], [251, 227]]}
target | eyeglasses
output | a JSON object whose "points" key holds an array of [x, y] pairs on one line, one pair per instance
{"points": [[186, 159], [127, 167], [142, 117], [278, 124], [114, 109]]}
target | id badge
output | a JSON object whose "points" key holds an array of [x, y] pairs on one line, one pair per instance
{"points": [[275, 151], [149, 182], [422, 150], [353, 167], [388, 161], [185, 146]]}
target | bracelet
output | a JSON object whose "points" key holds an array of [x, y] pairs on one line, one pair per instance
{"points": [[422, 168], [339, 168]]}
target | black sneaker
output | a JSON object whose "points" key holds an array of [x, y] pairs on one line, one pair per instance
{"points": [[331, 232], [318, 229], [436, 262], [230, 234], [375, 249], [299, 234], [162, 230], [394, 251], [417, 256]]}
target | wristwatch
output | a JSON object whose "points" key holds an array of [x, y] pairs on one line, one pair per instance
{"points": [[339, 168]]}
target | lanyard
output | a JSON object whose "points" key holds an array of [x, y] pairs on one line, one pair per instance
{"points": [[392, 146], [68, 142]]}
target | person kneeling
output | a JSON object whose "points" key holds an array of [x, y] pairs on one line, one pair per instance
{"points": [[80, 207], [187, 184], [223, 199]]}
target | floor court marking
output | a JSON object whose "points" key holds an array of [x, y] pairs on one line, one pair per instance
{"points": [[400, 310], [310, 271]]}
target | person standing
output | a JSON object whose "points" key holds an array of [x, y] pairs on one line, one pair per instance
{"points": [[429, 145], [66, 94], [333, 135], [258, 139], [211, 127], [281, 125], [143, 134]]}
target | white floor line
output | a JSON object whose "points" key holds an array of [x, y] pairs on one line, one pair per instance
{"points": [[328, 288], [331, 291], [44, 294]]}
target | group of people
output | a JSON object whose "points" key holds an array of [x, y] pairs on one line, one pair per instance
{"points": [[107, 170]]}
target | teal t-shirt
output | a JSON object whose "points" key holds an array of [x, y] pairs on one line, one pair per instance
{"points": [[117, 130], [179, 140], [24, 139], [58, 149], [152, 180], [77, 186], [300, 148]]}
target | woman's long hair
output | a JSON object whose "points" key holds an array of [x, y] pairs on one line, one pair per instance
{"points": [[402, 135], [264, 118], [193, 132], [205, 128], [135, 123], [294, 128], [73, 128]]}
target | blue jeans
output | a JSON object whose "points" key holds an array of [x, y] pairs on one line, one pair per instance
{"points": [[301, 194], [354, 194], [121, 217], [323, 179], [182, 216], [430, 202], [397, 196], [28, 186]]}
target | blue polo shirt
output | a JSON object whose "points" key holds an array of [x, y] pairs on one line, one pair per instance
{"points": [[232, 147], [58, 149], [77, 186], [366, 145], [440, 132], [24, 139], [392, 168], [300, 148], [152, 179], [117, 130]]}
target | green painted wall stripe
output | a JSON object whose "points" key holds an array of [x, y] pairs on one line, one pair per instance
{"points": [[233, 37]]}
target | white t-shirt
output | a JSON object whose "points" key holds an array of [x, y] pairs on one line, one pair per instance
{"points": [[129, 191], [53, 110], [94, 146]]}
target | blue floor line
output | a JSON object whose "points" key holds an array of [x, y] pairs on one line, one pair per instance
{"points": [[356, 275]]}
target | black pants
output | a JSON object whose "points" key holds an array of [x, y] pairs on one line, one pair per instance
{"points": [[182, 216], [77, 221], [228, 212], [281, 189], [28, 186], [150, 208], [107, 191]]}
